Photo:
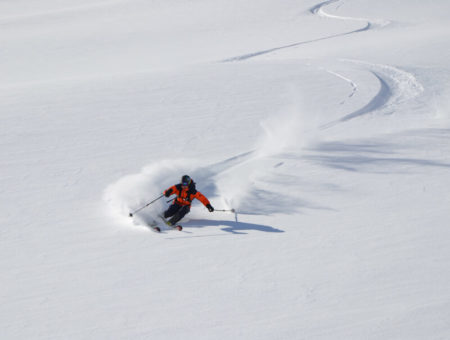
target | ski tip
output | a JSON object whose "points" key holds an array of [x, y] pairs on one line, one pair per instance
{"points": [[154, 228]]}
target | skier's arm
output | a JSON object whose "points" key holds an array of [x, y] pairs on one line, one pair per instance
{"points": [[171, 191], [198, 195]]}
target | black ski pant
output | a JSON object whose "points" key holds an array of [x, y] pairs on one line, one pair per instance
{"points": [[177, 212]]}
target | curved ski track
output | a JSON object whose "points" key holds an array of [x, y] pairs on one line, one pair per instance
{"points": [[316, 10], [370, 24], [396, 87]]}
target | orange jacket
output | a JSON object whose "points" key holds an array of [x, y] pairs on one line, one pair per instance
{"points": [[185, 195]]}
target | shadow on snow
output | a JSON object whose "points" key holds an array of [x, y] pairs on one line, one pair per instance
{"points": [[234, 227], [373, 156]]}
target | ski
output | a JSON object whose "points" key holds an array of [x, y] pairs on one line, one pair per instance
{"points": [[167, 223], [154, 226]]}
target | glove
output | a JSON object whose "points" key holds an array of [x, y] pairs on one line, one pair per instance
{"points": [[167, 193], [210, 207]]}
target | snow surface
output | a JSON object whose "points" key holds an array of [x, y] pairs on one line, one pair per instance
{"points": [[326, 125]]}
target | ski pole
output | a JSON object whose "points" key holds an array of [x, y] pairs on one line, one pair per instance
{"points": [[232, 210], [134, 212]]}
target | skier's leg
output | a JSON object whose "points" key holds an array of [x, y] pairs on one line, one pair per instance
{"points": [[172, 210], [179, 214]]}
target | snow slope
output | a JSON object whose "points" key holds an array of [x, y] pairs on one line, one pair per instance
{"points": [[325, 125]]}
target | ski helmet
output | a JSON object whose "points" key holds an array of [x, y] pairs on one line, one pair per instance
{"points": [[186, 180]]}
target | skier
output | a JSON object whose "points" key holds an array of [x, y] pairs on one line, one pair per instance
{"points": [[186, 193]]}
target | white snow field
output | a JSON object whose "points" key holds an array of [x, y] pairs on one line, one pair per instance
{"points": [[324, 124]]}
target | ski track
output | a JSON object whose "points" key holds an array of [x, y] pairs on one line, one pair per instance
{"points": [[397, 87], [259, 53], [370, 24], [348, 80], [387, 94], [319, 11]]}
